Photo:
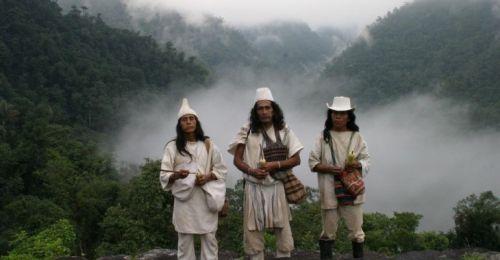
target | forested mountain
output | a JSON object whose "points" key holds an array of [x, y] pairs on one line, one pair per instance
{"points": [[212, 41], [293, 47], [283, 47], [449, 47], [112, 12], [75, 62], [64, 83]]}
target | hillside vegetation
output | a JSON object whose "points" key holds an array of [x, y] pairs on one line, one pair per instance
{"points": [[65, 84], [281, 48], [450, 48]]}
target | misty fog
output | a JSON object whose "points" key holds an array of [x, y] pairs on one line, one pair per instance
{"points": [[423, 157], [243, 13]]}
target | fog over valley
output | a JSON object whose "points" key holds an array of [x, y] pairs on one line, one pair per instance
{"points": [[90, 92], [426, 151], [423, 157]]}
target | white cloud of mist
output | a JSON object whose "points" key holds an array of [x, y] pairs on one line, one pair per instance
{"points": [[423, 160], [496, 9], [316, 13], [366, 36], [269, 39]]}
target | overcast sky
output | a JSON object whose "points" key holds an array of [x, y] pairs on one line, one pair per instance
{"points": [[317, 13]]}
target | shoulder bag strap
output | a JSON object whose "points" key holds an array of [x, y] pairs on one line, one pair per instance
{"points": [[350, 142], [331, 147], [208, 145], [277, 135], [266, 137], [331, 151], [248, 133]]}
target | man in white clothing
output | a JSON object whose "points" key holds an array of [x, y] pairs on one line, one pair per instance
{"points": [[329, 158], [265, 204], [193, 170]]}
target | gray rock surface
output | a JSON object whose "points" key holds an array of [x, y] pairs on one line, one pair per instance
{"points": [[450, 254]]}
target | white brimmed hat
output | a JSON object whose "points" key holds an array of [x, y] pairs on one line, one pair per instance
{"points": [[186, 109], [340, 104], [263, 93]]}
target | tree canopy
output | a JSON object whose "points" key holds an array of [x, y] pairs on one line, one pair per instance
{"points": [[64, 83], [66, 78], [449, 48]]}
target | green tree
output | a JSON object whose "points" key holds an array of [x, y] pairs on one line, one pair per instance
{"points": [[391, 235], [230, 230], [56, 240], [27, 213], [447, 48], [64, 83], [306, 222], [432, 241], [377, 231], [475, 217], [142, 220], [121, 233], [91, 202]]}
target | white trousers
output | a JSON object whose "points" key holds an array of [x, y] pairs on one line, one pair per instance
{"points": [[352, 217], [185, 246], [254, 242]]}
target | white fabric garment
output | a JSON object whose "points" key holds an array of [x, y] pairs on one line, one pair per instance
{"points": [[192, 214], [186, 109], [208, 251], [183, 188], [252, 151], [265, 200], [351, 215], [215, 192], [320, 153]]}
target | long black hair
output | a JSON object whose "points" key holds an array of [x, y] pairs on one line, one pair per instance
{"points": [[180, 141], [278, 118], [351, 123]]}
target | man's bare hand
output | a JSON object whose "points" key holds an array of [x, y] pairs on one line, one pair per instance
{"points": [[202, 179], [258, 173]]}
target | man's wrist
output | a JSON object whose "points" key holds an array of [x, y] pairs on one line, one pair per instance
{"points": [[249, 171]]}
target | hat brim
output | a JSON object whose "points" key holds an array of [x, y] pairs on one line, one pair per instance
{"points": [[339, 109]]}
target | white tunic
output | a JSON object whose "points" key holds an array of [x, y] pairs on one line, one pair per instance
{"points": [[192, 214], [265, 200], [320, 153]]}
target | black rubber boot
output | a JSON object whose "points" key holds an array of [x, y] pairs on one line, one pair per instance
{"points": [[325, 249], [357, 249]]}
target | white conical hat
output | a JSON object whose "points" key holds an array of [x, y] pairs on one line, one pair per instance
{"points": [[263, 93], [186, 109], [340, 104]]}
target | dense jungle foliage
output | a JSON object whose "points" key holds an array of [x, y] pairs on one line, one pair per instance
{"points": [[450, 48], [64, 83]]}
